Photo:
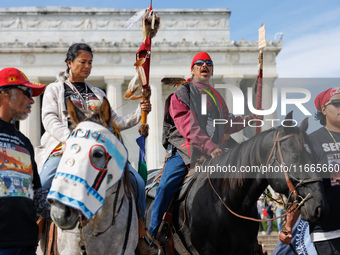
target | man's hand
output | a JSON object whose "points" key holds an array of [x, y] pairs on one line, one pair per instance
{"points": [[216, 152], [256, 117], [145, 105], [285, 236]]}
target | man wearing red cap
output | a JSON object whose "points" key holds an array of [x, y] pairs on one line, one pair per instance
{"points": [[326, 142], [187, 133], [21, 195]]}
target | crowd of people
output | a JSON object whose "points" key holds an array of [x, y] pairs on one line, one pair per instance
{"points": [[270, 207], [183, 125]]}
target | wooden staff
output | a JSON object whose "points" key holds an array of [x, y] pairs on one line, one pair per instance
{"points": [[262, 45]]}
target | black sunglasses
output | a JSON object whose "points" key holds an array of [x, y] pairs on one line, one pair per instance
{"points": [[201, 62], [335, 102], [26, 90]]}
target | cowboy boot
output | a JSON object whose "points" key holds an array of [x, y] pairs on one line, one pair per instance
{"points": [[144, 248], [147, 245]]}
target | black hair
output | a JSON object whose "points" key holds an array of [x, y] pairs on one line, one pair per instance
{"points": [[74, 51], [320, 117]]}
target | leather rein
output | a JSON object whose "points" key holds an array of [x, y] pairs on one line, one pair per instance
{"points": [[271, 158]]}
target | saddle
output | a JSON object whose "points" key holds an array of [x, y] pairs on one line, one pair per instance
{"points": [[165, 235], [184, 188], [51, 235]]}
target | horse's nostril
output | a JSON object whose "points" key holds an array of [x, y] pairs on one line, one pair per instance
{"points": [[68, 212], [318, 212]]}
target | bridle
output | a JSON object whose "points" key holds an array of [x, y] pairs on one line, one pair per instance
{"points": [[292, 190], [82, 243], [273, 158], [110, 150]]}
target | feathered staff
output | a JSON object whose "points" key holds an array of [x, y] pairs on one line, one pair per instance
{"points": [[258, 84], [141, 78]]}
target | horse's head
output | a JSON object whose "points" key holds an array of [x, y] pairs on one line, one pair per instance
{"points": [[292, 169], [93, 161]]}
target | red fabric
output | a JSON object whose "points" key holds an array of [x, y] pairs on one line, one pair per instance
{"points": [[264, 212], [324, 96], [200, 56], [13, 76], [192, 132], [142, 52]]}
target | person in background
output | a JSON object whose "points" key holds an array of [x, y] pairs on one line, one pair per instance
{"points": [[279, 207], [325, 234], [21, 195], [270, 216], [259, 205]]}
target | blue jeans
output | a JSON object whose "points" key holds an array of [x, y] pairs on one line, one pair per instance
{"points": [[278, 212], [48, 172], [138, 185], [19, 251], [50, 168], [174, 172]]}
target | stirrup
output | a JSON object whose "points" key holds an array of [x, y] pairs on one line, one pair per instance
{"points": [[154, 241], [164, 228]]}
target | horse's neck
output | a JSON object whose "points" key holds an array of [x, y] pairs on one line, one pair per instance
{"points": [[244, 198], [112, 204]]}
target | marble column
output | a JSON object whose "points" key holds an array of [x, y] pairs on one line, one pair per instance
{"points": [[155, 152], [114, 92], [31, 127]]}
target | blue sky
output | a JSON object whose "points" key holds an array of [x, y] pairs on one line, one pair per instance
{"points": [[311, 30]]}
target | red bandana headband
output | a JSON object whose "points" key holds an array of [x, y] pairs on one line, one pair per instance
{"points": [[324, 97]]}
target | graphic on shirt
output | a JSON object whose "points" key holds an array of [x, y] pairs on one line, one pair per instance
{"points": [[334, 163], [16, 173], [93, 103]]}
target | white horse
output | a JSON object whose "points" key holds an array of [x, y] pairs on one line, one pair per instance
{"points": [[91, 189]]}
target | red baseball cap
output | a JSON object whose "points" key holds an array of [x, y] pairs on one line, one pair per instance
{"points": [[324, 97], [200, 56], [11, 76]]}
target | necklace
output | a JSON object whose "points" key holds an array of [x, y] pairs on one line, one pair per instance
{"points": [[87, 96], [329, 132]]}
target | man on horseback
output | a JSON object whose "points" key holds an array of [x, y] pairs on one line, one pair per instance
{"points": [[186, 130], [325, 234], [19, 205]]}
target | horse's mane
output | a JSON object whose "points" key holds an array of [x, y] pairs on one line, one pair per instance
{"points": [[248, 153]]}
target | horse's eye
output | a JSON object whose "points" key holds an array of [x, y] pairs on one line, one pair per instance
{"points": [[98, 153], [98, 157], [295, 158]]}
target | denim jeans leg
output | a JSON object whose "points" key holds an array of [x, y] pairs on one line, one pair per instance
{"points": [[48, 172], [138, 185], [174, 172], [279, 212]]}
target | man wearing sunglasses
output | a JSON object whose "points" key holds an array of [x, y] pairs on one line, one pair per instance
{"points": [[326, 142], [188, 134], [21, 195]]}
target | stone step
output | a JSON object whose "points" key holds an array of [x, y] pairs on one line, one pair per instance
{"points": [[269, 241]]}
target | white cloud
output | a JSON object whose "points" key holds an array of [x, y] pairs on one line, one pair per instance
{"points": [[311, 55]]}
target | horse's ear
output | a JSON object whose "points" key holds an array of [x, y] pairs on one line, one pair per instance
{"points": [[288, 123], [288, 119], [76, 114], [304, 125], [105, 112]]}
